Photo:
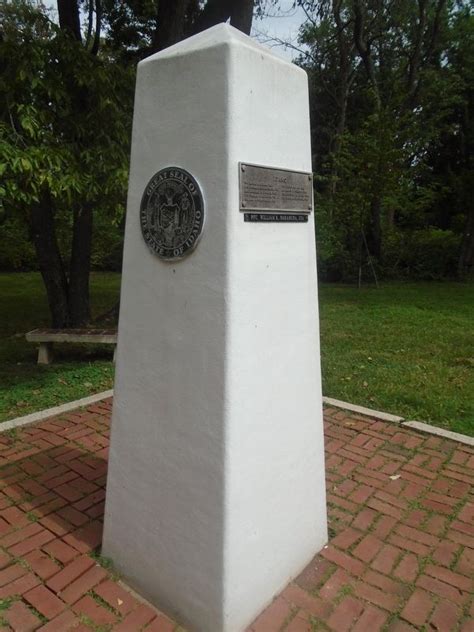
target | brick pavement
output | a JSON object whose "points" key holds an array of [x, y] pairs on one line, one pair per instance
{"points": [[400, 558]]}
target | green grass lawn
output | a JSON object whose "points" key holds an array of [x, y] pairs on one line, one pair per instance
{"points": [[406, 349], [78, 370]]}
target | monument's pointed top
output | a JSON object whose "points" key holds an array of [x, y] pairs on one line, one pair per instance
{"points": [[214, 36]]}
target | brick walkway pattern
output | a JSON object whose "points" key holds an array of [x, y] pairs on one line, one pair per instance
{"points": [[400, 558]]}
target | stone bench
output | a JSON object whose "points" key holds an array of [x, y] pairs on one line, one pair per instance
{"points": [[46, 338]]}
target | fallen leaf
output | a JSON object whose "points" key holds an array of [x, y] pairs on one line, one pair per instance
{"points": [[395, 477], [119, 601]]}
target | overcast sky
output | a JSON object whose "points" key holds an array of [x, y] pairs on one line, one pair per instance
{"points": [[281, 24]]}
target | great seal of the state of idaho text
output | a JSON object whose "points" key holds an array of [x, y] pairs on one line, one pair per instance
{"points": [[171, 213]]}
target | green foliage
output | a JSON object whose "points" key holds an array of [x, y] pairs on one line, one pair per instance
{"points": [[428, 254], [391, 131], [16, 252], [65, 119]]}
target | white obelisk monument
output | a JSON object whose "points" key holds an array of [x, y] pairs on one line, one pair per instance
{"points": [[215, 493]]}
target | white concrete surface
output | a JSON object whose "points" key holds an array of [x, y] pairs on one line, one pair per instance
{"points": [[362, 410], [439, 432], [216, 494]]}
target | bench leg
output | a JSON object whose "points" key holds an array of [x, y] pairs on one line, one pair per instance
{"points": [[45, 353]]}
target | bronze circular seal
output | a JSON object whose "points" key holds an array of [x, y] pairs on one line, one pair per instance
{"points": [[172, 213]]}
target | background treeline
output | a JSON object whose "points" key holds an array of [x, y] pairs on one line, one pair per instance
{"points": [[391, 85]]}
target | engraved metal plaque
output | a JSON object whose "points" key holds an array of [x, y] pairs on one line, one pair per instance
{"points": [[276, 217], [275, 190], [171, 213]]}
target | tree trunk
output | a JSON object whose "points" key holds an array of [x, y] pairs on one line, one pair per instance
{"points": [[68, 11], [466, 257], [241, 15], [170, 21], [79, 271], [374, 237], [50, 263]]}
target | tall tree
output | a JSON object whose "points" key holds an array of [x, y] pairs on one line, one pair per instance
{"points": [[66, 118], [382, 94]]}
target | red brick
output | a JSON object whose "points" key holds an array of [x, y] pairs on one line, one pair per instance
{"points": [[385, 583], [433, 505], [83, 584], [461, 537], [345, 614], [377, 597], [94, 611], [11, 573], [64, 622], [467, 513], [22, 534], [273, 617], [118, 598], [69, 492], [20, 618], [361, 494], [391, 500], [351, 565], [56, 525], [383, 527], [465, 563], [414, 547], [441, 589], [447, 576], [44, 601], [69, 573], [75, 517], [19, 586], [364, 519], [15, 517], [299, 624], [90, 500], [60, 551], [368, 548], [417, 535], [423, 472], [85, 538], [5, 560], [445, 553], [135, 621], [161, 624], [31, 544], [346, 539], [386, 558], [418, 608], [444, 617], [42, 564], [298, 597], [407, 570], [316, 571], [371, 620], [334, 584]]}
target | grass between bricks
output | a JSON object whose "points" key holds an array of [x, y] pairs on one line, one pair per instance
{"points": [[403, 348]]}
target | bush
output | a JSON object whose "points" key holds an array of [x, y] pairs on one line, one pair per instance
{"points": [[16, 250], [428, 254]]}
